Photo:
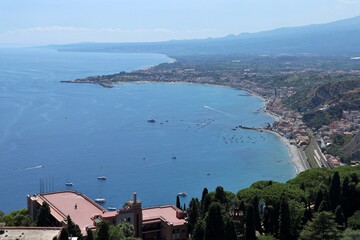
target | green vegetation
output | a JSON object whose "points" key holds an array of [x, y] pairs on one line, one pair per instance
{"points": [[17, 218], [317, 204]]}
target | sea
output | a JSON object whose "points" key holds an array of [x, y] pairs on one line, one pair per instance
{"points": [[52, 132]]}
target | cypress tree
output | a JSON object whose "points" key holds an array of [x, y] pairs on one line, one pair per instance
{"points": [[206, 205], [257, 221], [178, 202], [321, 227], [73, 229], [220, 195], [215, 225], [43, 218], [64, 235], [250, 224], [103, 232], [334, 193], [346, 198], [230, 233], [339, 216], [323, 206], [199, 231], [204, 193], [193, 214], [284, 220], [90, 234], [318, 200]]}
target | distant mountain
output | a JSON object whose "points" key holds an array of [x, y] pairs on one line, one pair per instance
{"points": [[336, 38]]}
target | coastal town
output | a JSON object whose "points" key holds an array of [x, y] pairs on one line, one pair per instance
{"points": [[259, 77]]}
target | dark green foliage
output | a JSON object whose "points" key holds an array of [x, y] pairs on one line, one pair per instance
{"points": [[321, 227], [230, 233], [178, 205], [17, 218], [284, 220], [193, 214], [199, 231], [334, 193], [204, 193], [90, 234], [354, 221], [44, 216], [64, 235], [350, 234], [323, 206], [250, 224], [220, 195], [103, 231], [207, 201], [257, 222], [215, 225], [339, 216], [318, 200], [73, 229]]}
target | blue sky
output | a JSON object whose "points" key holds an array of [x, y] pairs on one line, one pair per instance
{"points": [[68, 21]]}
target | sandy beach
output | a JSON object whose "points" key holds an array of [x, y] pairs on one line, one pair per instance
{"points": [[296, 159]]}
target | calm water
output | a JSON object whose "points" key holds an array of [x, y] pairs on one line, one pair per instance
{"points": [[76, 132]]}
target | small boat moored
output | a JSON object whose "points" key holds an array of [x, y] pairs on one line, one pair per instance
{"points": [[69, 184], [101, 178], [112, 208], [100, 200], [151, 120], [182, 194]]}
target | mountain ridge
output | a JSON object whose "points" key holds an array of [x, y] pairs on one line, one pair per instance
{"points": [[336, 38]]}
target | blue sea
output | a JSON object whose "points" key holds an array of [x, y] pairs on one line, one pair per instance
{"points": [[52, 132]]}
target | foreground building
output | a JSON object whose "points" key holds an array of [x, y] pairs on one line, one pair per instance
{"points": [[162, 222]]}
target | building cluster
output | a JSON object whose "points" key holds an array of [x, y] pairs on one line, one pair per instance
{"points": [[161, 222]]}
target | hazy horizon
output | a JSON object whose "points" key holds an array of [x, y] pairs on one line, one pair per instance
{"points": [[41, 22]]}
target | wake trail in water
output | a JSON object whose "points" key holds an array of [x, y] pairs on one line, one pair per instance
{"points": [[34, 167], [218, 111]]}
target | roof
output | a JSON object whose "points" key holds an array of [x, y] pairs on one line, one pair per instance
{"points": [[29, 233], [79, 207], [165, 213]]}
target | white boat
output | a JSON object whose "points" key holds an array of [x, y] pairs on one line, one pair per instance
{"points": [[100, 200], [182, 194], [102, 178], [112, 208], [69, 184], [151, 120]]}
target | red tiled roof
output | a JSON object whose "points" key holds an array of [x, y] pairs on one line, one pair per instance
{"points": [[63, 204], [166, 213]]}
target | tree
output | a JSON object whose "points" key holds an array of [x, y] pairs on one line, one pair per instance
{"points": [[323, 206], [220, 195], [64, 235], [318, 200], [193, 214], [73, 229], [354, 221], [334, 193], [206, 204], [103, 232], [339, 216], [350, 234], [257, 221], [204, 193], [90, 234], [230, 233], [199, 231], [43, 218], [321, 227], [250, 224], [214, 223], [284, 220], [178, 202]]}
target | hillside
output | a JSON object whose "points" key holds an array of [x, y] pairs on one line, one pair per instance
{"points": [[352, 149], [336, 38]]}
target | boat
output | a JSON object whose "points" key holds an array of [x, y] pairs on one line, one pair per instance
{"points": [[151, 120], [182, 194], [102, 178], [112, 208], [100, 200], [69, 184]]}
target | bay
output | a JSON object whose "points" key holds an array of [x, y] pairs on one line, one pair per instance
{"points": [[55, 132]]}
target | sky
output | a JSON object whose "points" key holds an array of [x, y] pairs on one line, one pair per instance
{"points": [[40, 22]]}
